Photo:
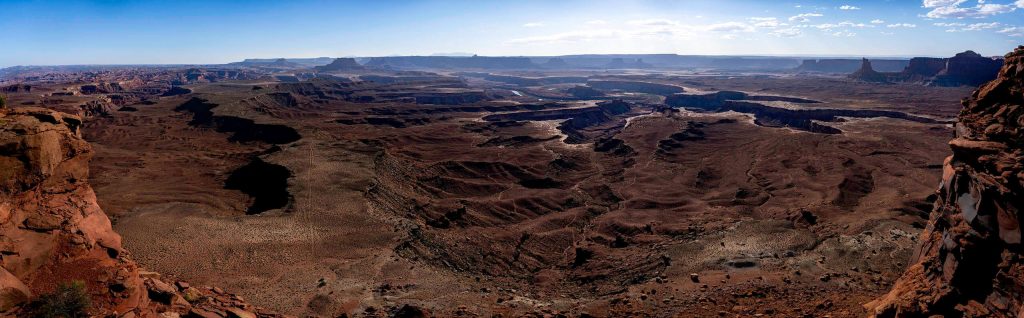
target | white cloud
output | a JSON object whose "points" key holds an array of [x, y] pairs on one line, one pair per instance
{"points": [[878, 21], [944, 9], [653, 22], [901, 25], [533, 24], [830, 26], [766, 22], [804, 17], [730, 27], [786, 33], [1020, 4], [596, 22], [1012, 31], [992, 9], [1009, 30], [982, 26], [854, 25], [844, 33], [941, 3], [848, 7]]}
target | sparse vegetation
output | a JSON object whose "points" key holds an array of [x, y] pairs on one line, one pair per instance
{"points": [[3, 101], [70, 300]]}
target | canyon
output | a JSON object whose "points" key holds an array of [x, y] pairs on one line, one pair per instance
{"points": [[582, 186]]}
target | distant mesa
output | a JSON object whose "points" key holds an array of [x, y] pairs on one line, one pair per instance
{"points": [[279, 63], [452, 62], [847, 66], [964, 69], [968, 68], [868, 74], [341, 64], [619, 63], [291, 63], [283, 63], [555, 63]]}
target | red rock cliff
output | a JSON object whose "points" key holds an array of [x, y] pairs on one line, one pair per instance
{"points": [[969, 262], [52, 231]]}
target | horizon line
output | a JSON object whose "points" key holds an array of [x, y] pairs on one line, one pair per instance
{"points": [[521, 56]]}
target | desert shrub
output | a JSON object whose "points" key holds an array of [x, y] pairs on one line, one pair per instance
{"points": [[3, 101], [70, 300]]}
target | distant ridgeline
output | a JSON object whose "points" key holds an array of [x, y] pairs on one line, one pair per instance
{"points": [[925, 67], [916, 69], [967, 68], [847, 66], [307, 62]]}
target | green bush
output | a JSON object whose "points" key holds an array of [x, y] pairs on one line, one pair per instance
{"points": [[3, 101], [70, 300]]}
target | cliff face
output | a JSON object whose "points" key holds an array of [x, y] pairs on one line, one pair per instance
{"points": [[969, 262], [52, 231], [924, 67], [968, 68]]}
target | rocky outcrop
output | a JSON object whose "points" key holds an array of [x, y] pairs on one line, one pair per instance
{"points": [[584, 92], [868, 74], [97, 108], [53, 232], [966, 68], [341, 64], [16, 88], [969, 262]]}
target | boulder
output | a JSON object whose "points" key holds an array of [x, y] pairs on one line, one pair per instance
{"points": [[12, 291]]}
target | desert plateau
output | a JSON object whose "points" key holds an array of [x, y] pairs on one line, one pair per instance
{"points": [[645, 184]]}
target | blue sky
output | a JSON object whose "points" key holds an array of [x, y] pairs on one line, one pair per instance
{"points": [[162, 32]]}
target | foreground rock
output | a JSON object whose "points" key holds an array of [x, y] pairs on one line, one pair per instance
{"points": [[970, 261], [52, 231]]}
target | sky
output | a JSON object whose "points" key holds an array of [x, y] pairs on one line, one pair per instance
{"points": [[204, 32]]}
